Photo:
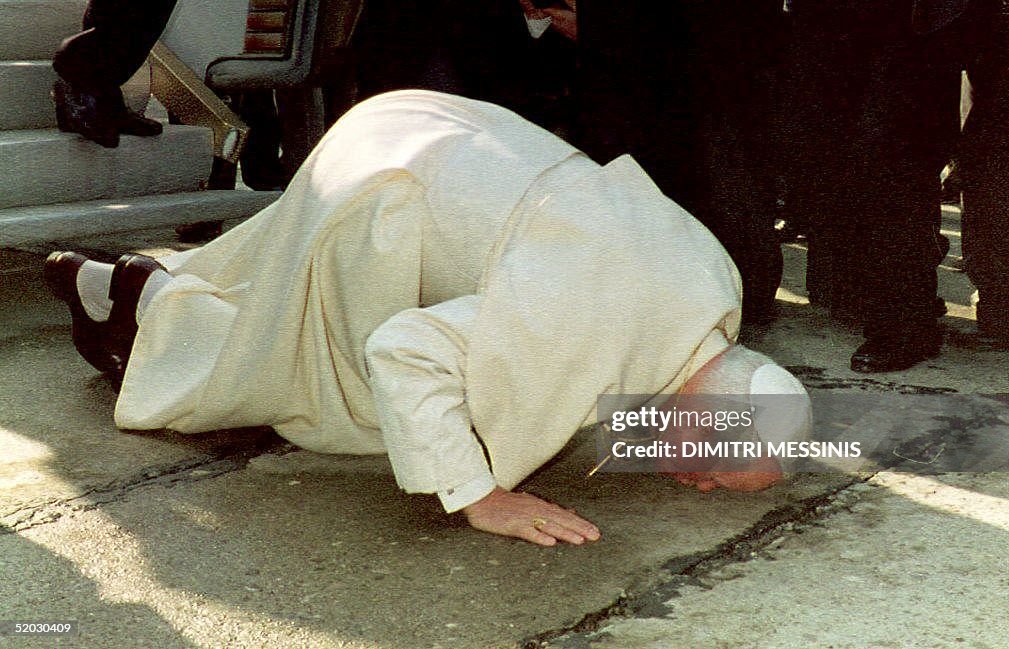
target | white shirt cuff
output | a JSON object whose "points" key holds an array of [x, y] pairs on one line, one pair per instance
{"points": [[538, 26], [467, 493]]}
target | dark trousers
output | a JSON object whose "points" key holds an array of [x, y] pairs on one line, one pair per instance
{"points": [[875, 118], [480, 50], [688, 89], [984, 162], [116, 39]]}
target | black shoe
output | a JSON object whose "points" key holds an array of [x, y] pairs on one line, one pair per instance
{"points": [[897, 352], [90, 115], [992, 322], [131, 123], [128, 278], [986, 342]]}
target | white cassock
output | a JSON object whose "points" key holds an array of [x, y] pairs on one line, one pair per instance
{"points": [[440, 278]]}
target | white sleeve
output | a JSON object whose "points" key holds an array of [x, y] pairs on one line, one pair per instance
{"points": [[416, 361]]}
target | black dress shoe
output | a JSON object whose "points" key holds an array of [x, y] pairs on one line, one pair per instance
{"points": [[981, 341], [128, 278], [89, 114], [89, 335], [131, 123], [992, 324], [897, 352]]}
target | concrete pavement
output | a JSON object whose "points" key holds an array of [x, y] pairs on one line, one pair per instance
{"points": [[238, 539]]}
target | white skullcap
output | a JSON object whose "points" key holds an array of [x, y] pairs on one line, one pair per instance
{"points": [[783, 410], [780, 418]]}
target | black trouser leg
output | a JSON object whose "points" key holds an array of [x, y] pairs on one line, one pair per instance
{"points": [[984, 164], [634, 91], [117, 37], [734, 94], [909, 127], [676, 85], [828, 75], [893, 108], [913, 130]]}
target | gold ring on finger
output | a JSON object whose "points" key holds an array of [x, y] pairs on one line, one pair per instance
{"points": [[539, 522]]}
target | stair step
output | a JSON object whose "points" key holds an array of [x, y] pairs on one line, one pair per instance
{"points": [[33, 29], [25, 88], [43, 167], [24, 95], [26, 225]]}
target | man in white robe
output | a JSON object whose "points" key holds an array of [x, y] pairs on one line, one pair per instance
{"points": [[446, 283]]}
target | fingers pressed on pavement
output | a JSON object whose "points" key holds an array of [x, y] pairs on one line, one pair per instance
{"points": [[534, 535], [561, 533]]}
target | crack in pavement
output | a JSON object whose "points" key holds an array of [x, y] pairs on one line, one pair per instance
{"points": [[187, 471], [692, 569], [817, 378]]}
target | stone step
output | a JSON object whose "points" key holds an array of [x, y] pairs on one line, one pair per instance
{"points": [[43, 167], [21, 226], [24, 95], [25, 88], [33, 29]]}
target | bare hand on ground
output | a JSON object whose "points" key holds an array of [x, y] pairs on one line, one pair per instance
{"points": [[530, 518]]}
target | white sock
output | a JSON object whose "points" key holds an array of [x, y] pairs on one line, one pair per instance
{"points": [[157, 281], [93, 280]]}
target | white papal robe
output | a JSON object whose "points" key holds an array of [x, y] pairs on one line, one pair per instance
{"points": [[441, 277]]}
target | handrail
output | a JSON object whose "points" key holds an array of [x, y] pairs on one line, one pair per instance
{"points": [[188, 98]]}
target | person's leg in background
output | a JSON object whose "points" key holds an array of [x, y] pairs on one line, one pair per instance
{"points": [[666, 82], [735, 93], [882, 120], [260, 160], [984, 165], [92, 65], [495, 59], [396, 45], [831, 65], [909, 125], [634, 91]]}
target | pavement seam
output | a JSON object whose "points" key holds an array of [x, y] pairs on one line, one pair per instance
{"points": [[692, 569], [189, 471], [818, 378]]}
